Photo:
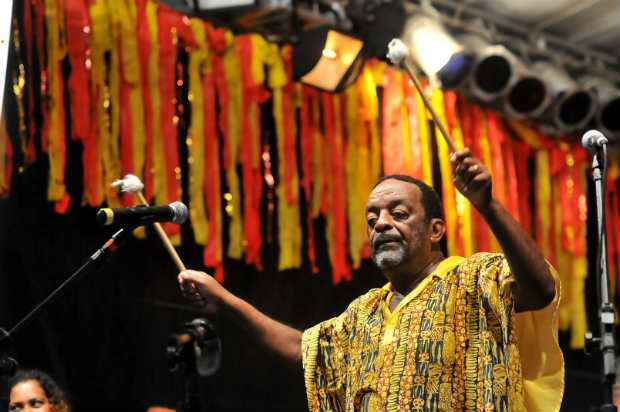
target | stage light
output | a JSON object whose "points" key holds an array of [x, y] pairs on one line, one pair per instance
{"points": [[607, 117], [572, 105], [527, 97], [327, 59], [434, 50], [498, 75]]}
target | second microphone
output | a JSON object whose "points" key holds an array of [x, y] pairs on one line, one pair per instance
{"points": [[175, 212]]}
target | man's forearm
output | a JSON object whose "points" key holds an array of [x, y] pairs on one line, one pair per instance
{"points": [[535, 285], [277, 337]]}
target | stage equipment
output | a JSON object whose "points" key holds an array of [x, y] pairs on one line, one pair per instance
{"points": [[327, 59], [596, 143], [398, 54], [377, 22], [572, 105], [607, 117], [500, 76], [197, 347], [195, 352], [132, 184], [175, 212], [434, 50]]}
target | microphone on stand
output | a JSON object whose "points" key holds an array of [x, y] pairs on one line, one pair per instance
{"points": [[593, 140], [175, 212]]}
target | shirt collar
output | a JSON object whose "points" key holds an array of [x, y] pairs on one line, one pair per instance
{"points": [[440, 271]]}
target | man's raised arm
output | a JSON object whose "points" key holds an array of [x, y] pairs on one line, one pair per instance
{"points": [[277, 337], [535, 287]]}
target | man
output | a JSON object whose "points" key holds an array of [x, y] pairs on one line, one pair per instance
{"points": [[444, 333]]}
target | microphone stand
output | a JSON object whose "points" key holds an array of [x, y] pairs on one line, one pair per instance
{"points": [[605, 342], [8, 365]]}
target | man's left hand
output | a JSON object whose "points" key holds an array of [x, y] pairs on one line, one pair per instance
{"points": [[472, 178]]}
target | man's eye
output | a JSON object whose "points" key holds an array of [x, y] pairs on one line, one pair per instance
{"points": [[400, 215], [371, 221], [36, 403], [15, 408]]}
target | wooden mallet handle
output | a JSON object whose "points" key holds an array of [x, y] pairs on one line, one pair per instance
{"points": [[398, 53], [164, 238]]}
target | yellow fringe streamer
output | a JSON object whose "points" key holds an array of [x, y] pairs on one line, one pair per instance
{"points": [[56, 137], [198, 61], [233, 81], [447, 187], [289, 221], [105, 83], [130, 63], [159, 162]]}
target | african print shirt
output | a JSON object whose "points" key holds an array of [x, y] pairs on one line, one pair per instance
{"points": [[449, 345]]}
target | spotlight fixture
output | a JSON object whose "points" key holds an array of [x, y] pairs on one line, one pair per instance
{"points": [[572, 105], [607, 117], [497, 73], [327, 59], [527, 97], [434, 50]]}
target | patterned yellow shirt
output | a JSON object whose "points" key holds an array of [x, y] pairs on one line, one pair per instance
{"points": [[452, 344]]}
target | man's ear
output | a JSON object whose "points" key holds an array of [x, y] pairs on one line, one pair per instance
{"points": [[437, 230]]}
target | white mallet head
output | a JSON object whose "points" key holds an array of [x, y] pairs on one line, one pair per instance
{"points": [[397, 51], [129, 183]]}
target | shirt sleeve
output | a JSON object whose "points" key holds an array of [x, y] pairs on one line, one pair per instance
{"points": [[325, 358], [535, 333]]}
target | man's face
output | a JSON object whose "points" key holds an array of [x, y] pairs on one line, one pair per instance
{"points": [[397, 228]]}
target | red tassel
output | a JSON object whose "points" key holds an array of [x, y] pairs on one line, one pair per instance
{"points": [[77, 30]]}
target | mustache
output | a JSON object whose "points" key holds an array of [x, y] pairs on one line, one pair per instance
{"points": [[384, 238]]}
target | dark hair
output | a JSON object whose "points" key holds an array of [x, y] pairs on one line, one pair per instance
{"points": [[54, 393], [430, 199]]}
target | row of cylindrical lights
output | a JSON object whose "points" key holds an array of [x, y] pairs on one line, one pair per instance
{"points": [[493, 74]]}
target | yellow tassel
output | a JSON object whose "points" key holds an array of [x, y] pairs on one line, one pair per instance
{"points": [[447, 187], [357, 173], [56, 136], [233, 81], [131, 72], [159, 162], [288, 212], [195, 134], [424, 135]]}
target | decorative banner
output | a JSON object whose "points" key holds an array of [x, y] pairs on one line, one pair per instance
{"points": [[132, 121], [289, 221], [335, 195], [308, 136], [124, 104], [53, 129], [6, 160]]}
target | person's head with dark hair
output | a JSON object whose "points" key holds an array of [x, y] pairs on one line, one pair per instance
{"points": [[430, 198], [34, 390], [405, 226]]}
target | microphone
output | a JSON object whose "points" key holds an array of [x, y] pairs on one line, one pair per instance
{"points": [[175, 212], [593, 139]]}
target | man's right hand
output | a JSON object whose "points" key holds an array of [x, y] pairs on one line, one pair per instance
{"points": [[207, 293], [201, 289]]}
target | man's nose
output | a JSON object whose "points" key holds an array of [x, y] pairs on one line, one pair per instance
{"points": [[384, 222]]}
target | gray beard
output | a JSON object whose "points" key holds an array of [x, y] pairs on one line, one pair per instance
{"points": [[389, 258]]}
